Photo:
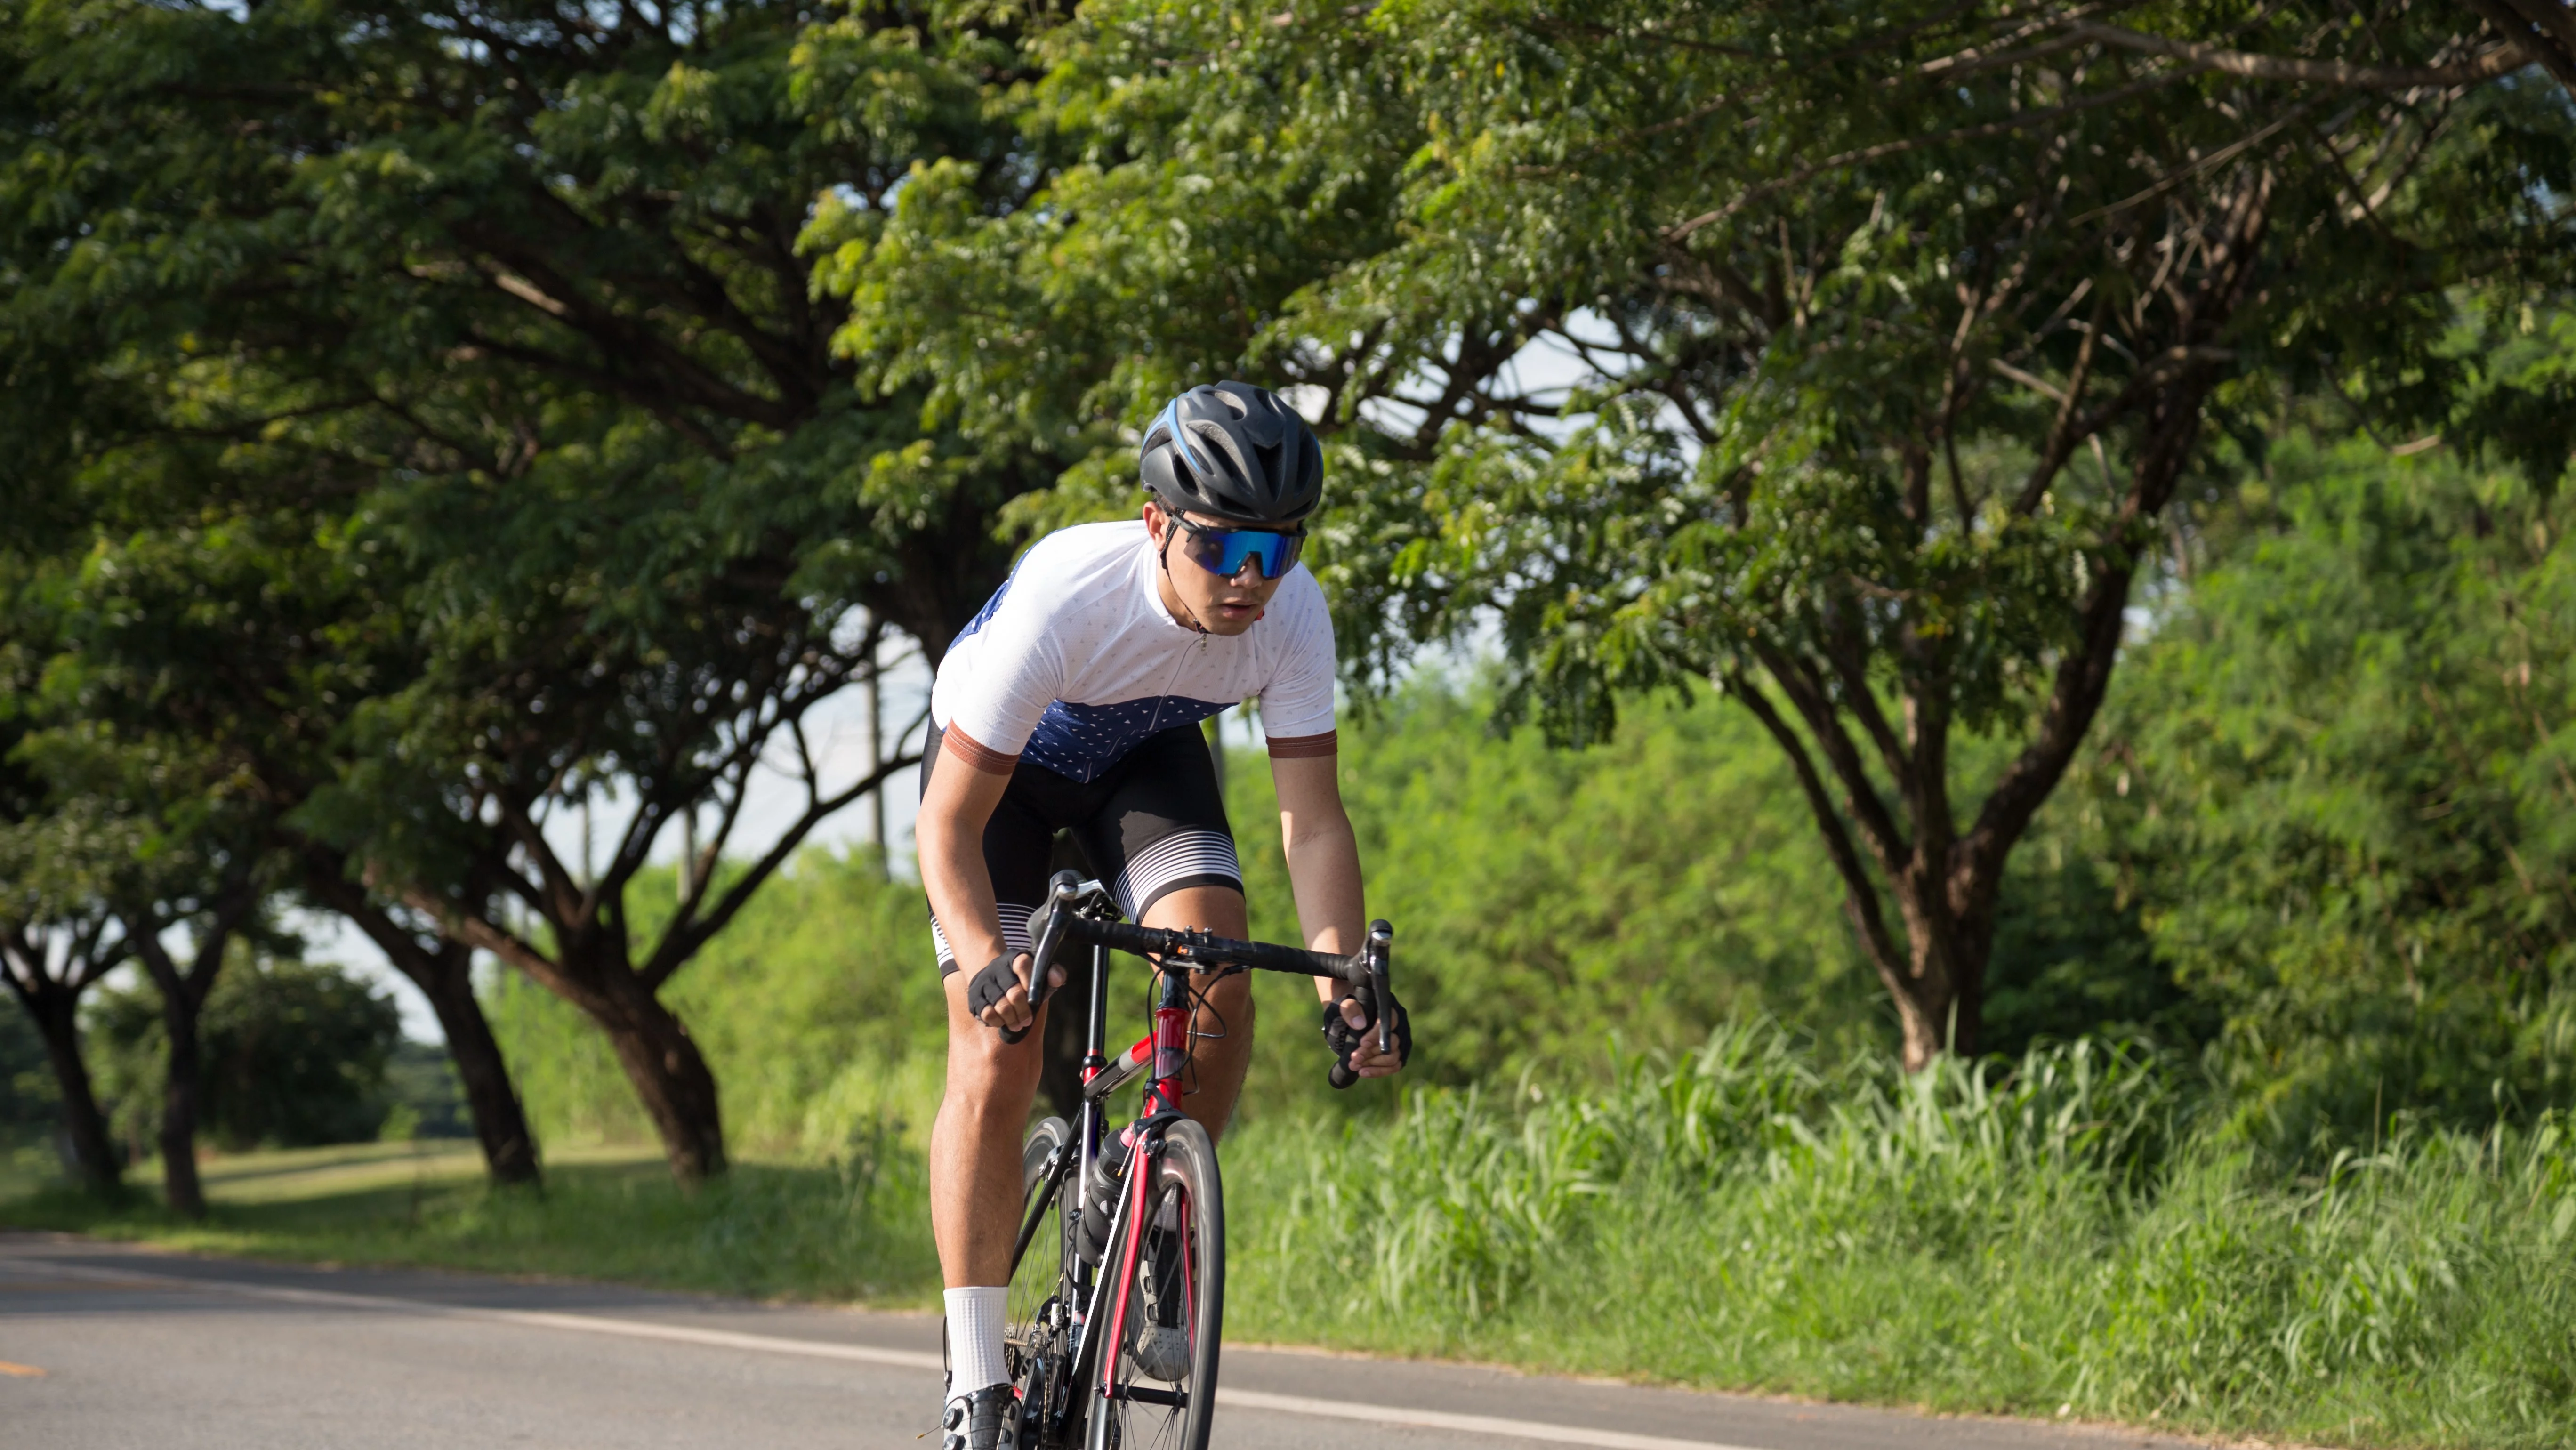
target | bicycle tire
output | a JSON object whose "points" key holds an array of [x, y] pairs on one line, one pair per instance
{"points": [[1186, 1176], [1033, 1332]]}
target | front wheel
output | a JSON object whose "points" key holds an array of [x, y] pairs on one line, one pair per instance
{"points": [[1035, 1323], [1156, 1388]]}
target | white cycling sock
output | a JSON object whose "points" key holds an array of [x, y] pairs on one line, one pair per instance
{"points": [[975, 1338]]}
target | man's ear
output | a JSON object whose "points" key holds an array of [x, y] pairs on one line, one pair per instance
{"points": [[1154, 520]]}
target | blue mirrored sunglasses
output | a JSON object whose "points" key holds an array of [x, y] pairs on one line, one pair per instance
{"points": [[1222, 552]]}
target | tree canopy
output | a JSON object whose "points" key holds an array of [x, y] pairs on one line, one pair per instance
{"points": [[1846, 360]]}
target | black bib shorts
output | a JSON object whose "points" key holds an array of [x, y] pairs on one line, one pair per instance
{"points": [[1152, 823]]}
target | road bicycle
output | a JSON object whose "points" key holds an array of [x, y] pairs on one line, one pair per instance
{"points": [[1117, 1291]]}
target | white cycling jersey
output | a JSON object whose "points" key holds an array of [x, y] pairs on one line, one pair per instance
{"points": [[1074, 661]]}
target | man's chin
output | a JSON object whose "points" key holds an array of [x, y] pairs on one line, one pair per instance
{"points": [[1227, 624]]}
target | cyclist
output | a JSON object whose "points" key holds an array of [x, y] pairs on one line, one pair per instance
{"points": [[1073, 701]]}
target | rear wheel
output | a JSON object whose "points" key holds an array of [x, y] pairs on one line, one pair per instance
{"points": [[1034, 1332], [1161, 1373]]}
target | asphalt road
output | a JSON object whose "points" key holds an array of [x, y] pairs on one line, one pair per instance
{"points": [[104, 1347]]}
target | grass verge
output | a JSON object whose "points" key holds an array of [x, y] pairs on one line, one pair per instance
{"points": [[2052, 1242], [857, 1231]]}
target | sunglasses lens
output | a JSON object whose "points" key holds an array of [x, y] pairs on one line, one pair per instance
{"points": [[1224, 551]]}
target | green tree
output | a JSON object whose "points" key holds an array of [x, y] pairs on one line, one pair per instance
{"points": [[294, 1055], [56, 938], [56, 943], [523, 281], [2340, 776], [230, 612], [1846, 360]]}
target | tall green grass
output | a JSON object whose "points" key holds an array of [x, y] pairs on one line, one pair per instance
{"points": [[2056, 1237]]}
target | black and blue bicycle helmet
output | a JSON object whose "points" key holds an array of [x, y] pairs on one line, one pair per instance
{"points": [[1236, 452]]}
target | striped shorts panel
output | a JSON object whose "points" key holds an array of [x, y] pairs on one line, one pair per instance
{"points": [[1151, 823], [1185, 858]]}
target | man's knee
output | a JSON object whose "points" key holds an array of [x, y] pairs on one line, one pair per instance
{"points": [[989, 1081], [1217, 909]]}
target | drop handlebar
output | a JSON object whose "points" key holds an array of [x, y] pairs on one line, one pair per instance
{"points": [[1060, 921]]}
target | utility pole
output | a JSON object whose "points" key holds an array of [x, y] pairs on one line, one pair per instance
{"points": [[876, 754]]}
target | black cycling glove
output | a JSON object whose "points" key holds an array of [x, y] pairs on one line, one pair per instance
{"points": [[1344, 1039], [993, 983]]}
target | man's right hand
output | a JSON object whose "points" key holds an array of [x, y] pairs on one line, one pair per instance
{"points": [[1350, 1030], [999, 994]]}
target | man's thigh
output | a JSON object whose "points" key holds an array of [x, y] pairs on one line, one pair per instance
{"points": [[1217, 909], [1018, 840], [1159, 829]]}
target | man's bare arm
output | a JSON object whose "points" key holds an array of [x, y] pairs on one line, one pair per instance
{"points": [[949, 834], [1324, 872]]}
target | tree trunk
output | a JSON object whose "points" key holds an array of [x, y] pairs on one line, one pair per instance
{"points": [[84, 1126], [1939, 983], [445, 975], [179, 1103], [669, 1075], [500, 1119]]}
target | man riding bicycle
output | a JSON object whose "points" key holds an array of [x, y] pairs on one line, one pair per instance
{"points": [[1073, 701]]}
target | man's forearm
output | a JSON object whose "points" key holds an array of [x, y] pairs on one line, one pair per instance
{"points": [[961, 898], [950, 835], [1324, 873]]}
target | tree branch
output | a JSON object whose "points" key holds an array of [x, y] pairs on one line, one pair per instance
{"points": [[1885, 149], [1860, 795], [2501, 60], [684, 937], [2545, 28], [1860, 894]]}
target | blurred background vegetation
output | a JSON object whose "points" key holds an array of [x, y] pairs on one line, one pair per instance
{"points": [[1960, 645]]}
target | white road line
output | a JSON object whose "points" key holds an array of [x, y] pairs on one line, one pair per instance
{"points": [[534, 1319], [865, 1354], [1470, 1424]]}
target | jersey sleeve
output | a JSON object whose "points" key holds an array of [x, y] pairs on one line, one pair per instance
{"points": [[1297, 703], [1019, 670]]}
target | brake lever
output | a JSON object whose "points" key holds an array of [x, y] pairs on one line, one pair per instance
{"points": [[1378, 955], [1381, 947], [1062, 892]]}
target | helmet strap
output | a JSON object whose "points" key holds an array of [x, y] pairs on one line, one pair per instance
{"points": [[1171, 526]]}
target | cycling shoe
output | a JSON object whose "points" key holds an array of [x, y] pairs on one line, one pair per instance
{"points": [[988, 1419]]}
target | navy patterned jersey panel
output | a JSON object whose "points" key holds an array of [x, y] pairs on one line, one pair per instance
{"points": [[985, 614], [1080, 741]]}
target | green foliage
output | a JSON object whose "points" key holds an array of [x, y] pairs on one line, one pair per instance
{"points": [[494, 319], [1549, 902], [295, 1055], [428, 1101], [2338, 777], [29, 1102], [819, 1010], [2042, 1239], [1757, 345]]}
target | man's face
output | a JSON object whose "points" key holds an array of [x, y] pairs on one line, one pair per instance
{"points": [[1221, 605]]}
